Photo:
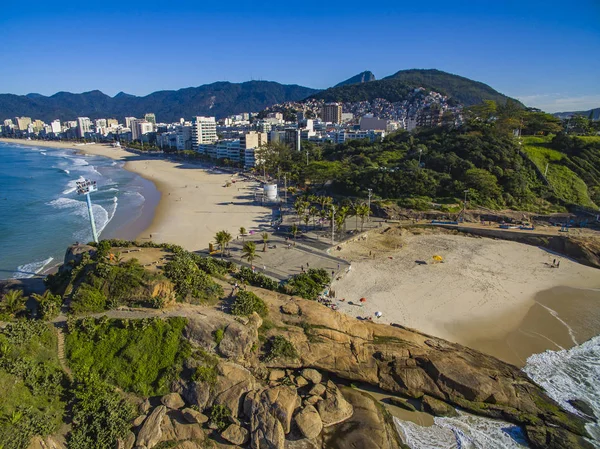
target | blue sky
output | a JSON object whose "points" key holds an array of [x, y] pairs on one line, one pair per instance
{"points": [[546, 53]]}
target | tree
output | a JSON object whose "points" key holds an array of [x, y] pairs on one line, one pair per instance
{"points": [[294, 230], [221, 240], [313, 212], [306, 219], [48, 304], [265, 238], [362, 210], [249, 252], [228, 238], [13, 302], [484, 183], [300, 207], [243, 232]]}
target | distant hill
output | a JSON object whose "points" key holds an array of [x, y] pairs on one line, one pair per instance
{"points": [[363, 77], [217, 99], [397, 86], [594, 114]]}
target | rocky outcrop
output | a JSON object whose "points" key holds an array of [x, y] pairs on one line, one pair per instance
{"points": [[193, 416], [408, 363]]}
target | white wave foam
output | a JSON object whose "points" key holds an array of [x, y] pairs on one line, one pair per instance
{"points": [[31, 269], [43, 153], [462, 432], [136, 198], [571, 374], [66, 171], [79, 209], [79, 162]]}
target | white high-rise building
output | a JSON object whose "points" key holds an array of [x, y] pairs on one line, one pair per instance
{"points": [[140, 127], [128, 121], [55, 127], [84, 125], [204, 130]]}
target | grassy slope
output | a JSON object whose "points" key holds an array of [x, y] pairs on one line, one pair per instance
{"points": [[564, 181], [139, 358]]}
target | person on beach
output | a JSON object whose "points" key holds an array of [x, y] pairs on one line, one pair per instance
{"points": [[558, 264]]}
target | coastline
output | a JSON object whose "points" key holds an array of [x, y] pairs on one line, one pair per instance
{"points": [[193, 204]]}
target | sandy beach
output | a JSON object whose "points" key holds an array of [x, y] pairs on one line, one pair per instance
{"points": [[500, 297], [194, 202]]}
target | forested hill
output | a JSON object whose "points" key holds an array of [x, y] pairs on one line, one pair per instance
{"points": [[217, 99], [396, 88]]}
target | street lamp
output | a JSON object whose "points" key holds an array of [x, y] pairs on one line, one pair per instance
{"points": [[85, 187], [420, 153], [369, 213], [332, 223]]}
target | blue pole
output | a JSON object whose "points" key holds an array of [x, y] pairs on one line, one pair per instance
{"points": [[89, 206]]}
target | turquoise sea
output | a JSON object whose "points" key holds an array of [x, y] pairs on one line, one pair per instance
{"points": [[41, 213]]}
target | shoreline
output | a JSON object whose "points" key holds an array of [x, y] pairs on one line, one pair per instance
{"points": [[193, 204]]}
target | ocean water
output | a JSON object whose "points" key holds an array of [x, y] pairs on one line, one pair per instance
{"points": [[41, 213], [565, 375]]}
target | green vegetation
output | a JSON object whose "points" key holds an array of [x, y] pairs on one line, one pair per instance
{"points": [[48, 305], [191, 283], [206, 371], [565, 183], [247, 302], [279, 347], [12, 305], [219, 416], [249, 252], [219, 334], [100, 416], [31, 382], [222, 238], [140, 356], [245, 274], [309, 285]]}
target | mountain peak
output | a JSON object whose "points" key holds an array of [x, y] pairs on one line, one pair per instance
{"points": [[363, 77]]}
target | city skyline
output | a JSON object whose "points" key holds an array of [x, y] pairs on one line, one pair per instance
{"points": [[541, 52]]}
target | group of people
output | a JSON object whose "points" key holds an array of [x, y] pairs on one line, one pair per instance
{"points": [[555, 264]]}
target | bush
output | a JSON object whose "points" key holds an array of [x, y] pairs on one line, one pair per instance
{"points": [[190, 281], [308, 285], [88, 299], [219, 416], [207, 370], [257, 279], [100, 416], [247, 302], [280, 347], [48, 305]]}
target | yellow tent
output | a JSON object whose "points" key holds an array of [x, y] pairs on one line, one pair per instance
{"points": [[437, 259]]}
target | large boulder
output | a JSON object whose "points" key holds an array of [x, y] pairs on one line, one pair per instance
{"points": [[172, 401], [334, 408], [236, 435], [193, 416], [238, 340], [282, 401], [309, 422], [266, 431], [366, 428], [151, 433], [437, 407], [233, 381], [312, 375]]}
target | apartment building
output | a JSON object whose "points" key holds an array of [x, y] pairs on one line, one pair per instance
{"points": [[332, 113], [204, 131]]}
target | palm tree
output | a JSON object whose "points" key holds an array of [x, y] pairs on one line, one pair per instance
{"points": [[243, 232], [13, 302], [221, 240], [265, 238], [362, 211], [306, 219], [228, 238], [300, 206], [249, 252], [340, 217], [313, 212], [294, 230]]}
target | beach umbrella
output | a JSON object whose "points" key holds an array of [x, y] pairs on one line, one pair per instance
{"points": [[378, 314], [363, 299]]}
